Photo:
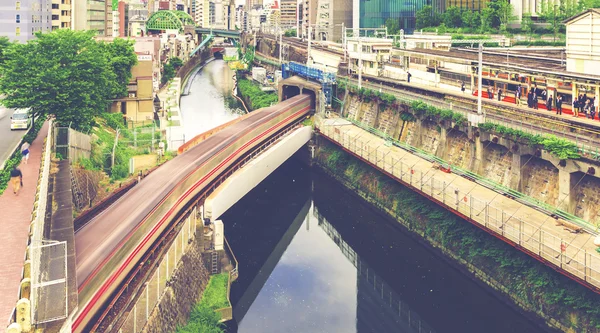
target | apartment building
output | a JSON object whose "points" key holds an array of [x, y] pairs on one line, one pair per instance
{"points": [[20, 20], [288, 12], [92, 15], [61, 14]]}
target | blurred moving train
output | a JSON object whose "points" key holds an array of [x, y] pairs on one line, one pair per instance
{"points": [[111, 245]]}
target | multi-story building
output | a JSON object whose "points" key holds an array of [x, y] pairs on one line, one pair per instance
{"points": [[20, 20], [331, 16], [137, 26], [309, 9], [474, 5], [250, 4], [374, 13], [91, 15], [61, 14], [123, 9], [373, 52], [202, 14], [300, 19], [211, 14], [108, 19], [288, 13]]}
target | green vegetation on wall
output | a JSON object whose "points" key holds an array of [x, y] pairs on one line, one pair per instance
{"points": [[561, 148], [423, 109], [170, 69], [531, 284], [258, 99], [15, 159], [203, 317]]}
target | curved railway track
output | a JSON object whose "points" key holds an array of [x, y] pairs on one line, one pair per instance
{"points": [[110, 246]]}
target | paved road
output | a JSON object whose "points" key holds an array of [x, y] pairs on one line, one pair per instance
{"points": [[8, 138]]}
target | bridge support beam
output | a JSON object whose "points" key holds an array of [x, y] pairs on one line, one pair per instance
{"points": [[246, 178]]}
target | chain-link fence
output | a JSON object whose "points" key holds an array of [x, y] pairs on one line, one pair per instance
{"points": [[531, 234], [49, 284], [370, 278]]}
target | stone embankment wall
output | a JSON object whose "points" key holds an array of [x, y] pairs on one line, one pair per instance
{"points": [[184, 289], [539, 292], [571, 188]]}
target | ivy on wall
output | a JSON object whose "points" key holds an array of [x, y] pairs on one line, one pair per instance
{"points": [[561, 148]]}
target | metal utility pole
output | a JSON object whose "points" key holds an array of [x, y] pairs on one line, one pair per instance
{"points": [[360, 64], [344, 40], [254, 55], [308, 51], [280, 45], [479, 78], [112, 161]]}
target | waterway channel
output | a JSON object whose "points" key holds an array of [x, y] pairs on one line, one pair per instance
{"points": [[315, 258]]}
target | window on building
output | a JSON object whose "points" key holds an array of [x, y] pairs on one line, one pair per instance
{"points": [[18, 31], [54, 17], [18, 5], [54, 6], [18, 18]]}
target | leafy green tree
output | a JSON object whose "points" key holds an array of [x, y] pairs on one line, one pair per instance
{"points": [[527, 25], [485, 18], [4, 44], [64, 73], [393, 26], [505, 13], [452, 17], [176, 62], [426, 17], [470, 19], [122, 58]]}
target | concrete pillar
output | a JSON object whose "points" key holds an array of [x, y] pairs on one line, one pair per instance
{"points": [[25, 288], [24, 314], [479, 147], [441, 150], [219, 235], [564, 190], [515, 170], [27, 269], [14, 328]]}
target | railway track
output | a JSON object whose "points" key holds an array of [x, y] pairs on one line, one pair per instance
{"points": [[509, 118]]}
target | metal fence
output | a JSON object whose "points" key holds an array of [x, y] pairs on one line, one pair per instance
{"points": [[72, 144], [387, 294], [156, 285], [48, 259], [581, 263]]}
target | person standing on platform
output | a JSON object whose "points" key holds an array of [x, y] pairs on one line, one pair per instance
{"points": [[549, 102], [559, 102], [499, 94], [518, 95], [25, 151], [16, 179], [592, 108], [534, 98], [575, 107], [462, 86], [408, 75]]}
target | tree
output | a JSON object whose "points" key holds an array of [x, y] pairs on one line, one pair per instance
{"points": [[452, 17], [393, 26], [485, 18], [470, 19], [527, 25], [426, 17], [4, 44], [121, 58], [64, 73], [505, 13], [176, 62]]}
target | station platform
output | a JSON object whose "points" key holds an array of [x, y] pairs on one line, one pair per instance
{"points": [[527, 229], [507, 102], [16, 218]]}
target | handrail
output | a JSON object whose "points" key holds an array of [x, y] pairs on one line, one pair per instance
{"points": [[492, 185]]}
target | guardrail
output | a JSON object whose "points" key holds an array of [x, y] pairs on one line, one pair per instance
{"points": [[494, 186], [576, 262]]}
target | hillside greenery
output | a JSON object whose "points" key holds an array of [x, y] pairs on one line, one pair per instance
{"points": [[251, 92]]}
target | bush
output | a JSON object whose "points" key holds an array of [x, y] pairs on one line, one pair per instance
{"points": [[258, 98]]}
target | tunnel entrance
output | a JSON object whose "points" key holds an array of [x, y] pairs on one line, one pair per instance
{"points": [[312, 97], [289, 92], [218, 55]]}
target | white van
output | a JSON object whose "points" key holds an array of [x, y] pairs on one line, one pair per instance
{"points": [[20, 120]]}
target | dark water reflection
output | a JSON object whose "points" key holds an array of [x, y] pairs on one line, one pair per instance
{"points": [[322, 261]]}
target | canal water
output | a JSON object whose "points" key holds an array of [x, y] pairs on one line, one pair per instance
{"points": [[315, 258]]}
